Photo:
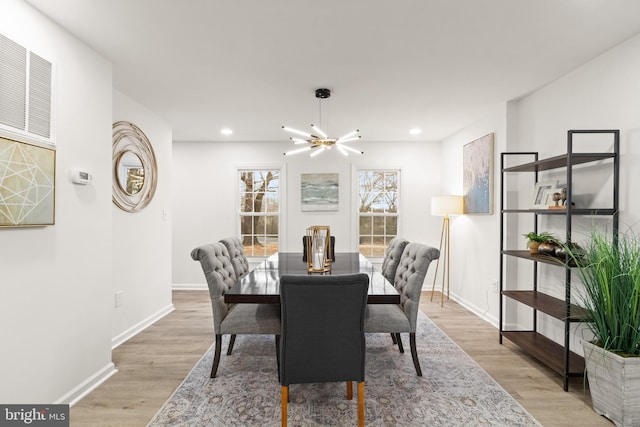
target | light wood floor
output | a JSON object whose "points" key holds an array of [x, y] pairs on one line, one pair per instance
{"points": [[153, 363]]}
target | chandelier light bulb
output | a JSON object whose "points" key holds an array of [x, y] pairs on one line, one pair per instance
{"points": [[299, 150], [318, 151], [320, 131]]}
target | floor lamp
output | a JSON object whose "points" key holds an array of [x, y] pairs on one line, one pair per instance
{"points": [[445, 205]]}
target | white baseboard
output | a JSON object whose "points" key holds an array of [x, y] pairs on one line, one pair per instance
{"points": [[88, 385], [189, 287], [136, 329], [483, 314]]}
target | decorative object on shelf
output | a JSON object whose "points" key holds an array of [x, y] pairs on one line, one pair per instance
{"points": [[319, 192], [540, 194], [477, 161], [134, 167], [319, 249], [321, 142], [548, 248], [445, 206], [534, 240], [609, 268], [27, 184]]}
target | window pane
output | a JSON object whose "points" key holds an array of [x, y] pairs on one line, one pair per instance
{"points": [[378, 225], [365, 225], [392, 226], [259, 192]]}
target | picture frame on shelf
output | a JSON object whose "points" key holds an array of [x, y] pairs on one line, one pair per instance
{"points": [[539, 200]]}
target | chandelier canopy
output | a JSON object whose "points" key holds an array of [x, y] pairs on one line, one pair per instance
{"points": [[319, 141]]}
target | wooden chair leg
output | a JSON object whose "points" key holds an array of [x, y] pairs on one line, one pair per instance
{"points": [[349, 390], [393, 338], [216, 355], [361, 404], [284, 398], [414, 353], [232, 341], [399, 340]]}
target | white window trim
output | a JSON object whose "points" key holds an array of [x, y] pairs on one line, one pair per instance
{"points": [[282, 167]]}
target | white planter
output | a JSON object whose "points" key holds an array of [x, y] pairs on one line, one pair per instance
{"points": [[614, 382]]}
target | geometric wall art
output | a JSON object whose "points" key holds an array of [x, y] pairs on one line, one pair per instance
{"points": [[27, 184], [477, 165]]}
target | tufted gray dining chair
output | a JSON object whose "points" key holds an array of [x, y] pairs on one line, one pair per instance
{"points": [[390, 265], [322, 336], [394, 319], [238, 258], [232, 318]]}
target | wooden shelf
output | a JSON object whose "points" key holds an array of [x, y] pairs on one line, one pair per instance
{"points": [[559, 162], [525, 254], [573, 211], [547, 304], [546, 351]]}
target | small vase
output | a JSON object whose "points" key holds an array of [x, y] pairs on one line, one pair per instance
{"points": [[533, 247]]}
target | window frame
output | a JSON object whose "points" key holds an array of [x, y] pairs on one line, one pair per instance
{"points": [[358, 214], [281, 168]]}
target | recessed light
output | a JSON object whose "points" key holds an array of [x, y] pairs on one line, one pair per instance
{"points": [[415, 131], [226, 131]]}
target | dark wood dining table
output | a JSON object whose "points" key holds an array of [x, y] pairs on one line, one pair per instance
{"points": [[262, 284]]}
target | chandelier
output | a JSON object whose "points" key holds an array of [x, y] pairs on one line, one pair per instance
{"points": [[320, 141]]}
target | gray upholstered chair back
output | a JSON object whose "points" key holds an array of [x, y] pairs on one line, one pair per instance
{"points": [[220, 275], [410, 275], [392, 257], [238, 258], [322, 337]]}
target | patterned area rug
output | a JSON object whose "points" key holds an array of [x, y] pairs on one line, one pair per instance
{"points": [[454, 390]]}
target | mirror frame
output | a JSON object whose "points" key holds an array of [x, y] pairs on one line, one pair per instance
{"points": [[129, 137]]}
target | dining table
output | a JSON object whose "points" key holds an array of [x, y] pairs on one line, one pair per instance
{"points": [[262, 284]]}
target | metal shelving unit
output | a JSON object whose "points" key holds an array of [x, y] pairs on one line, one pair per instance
{"points": [[558, 356]]}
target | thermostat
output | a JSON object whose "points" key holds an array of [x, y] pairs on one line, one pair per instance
{"points": [[80, 176]]}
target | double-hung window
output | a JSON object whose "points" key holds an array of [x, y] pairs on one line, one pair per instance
{"points": [[378, 192], [259, 210]]}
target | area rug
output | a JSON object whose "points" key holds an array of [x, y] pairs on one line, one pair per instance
{"points": [[453, 391]]}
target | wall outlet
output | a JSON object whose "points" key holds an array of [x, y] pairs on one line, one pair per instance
{"points": [[494, 286], [118, 301]]}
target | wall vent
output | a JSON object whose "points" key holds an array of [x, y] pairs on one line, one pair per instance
{"points": [[25, 91]]}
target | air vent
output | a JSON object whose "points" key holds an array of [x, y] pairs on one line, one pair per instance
{"points": [[25, 91]]}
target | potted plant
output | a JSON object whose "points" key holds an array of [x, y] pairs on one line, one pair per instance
{"points": [[610, 274], [535, 239]]}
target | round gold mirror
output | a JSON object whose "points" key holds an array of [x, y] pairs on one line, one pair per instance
{"points": [[134, 167]]}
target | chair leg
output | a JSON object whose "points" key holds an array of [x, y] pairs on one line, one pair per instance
{"points": [[361, 404], [399, 340], [393, 338], [232, 341], [284, 398], [216, 355], [349, 390], [414, 353], [278, 355]]}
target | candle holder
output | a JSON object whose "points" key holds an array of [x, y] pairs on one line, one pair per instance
{"points": [[318, 249]]}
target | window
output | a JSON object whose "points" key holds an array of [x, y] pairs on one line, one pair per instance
{"points": [[377, 209], [259, 211]]}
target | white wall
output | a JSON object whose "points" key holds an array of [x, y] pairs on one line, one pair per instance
{"points": [[142, 240], [475, 243], [602, 94], [206, 187], [56, 295], [57, 309]]}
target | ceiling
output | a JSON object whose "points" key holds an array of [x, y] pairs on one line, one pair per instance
{"points": [[254, 65]]}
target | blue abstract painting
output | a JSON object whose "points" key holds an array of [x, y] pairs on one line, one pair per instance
{"points": [[319, 192], [478, 175]]}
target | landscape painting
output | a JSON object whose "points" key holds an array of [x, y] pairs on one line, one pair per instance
{"points": [[319, 192], [478, 175], [27, 184]]}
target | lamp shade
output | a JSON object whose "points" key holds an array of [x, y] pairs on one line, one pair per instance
{"points": [[447, 205]]}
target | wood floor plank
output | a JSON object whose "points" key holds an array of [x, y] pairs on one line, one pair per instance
{"points": [[153, 363]]}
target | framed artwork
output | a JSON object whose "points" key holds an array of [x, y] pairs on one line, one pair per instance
{"points": [[540, 195], [319, 192], [477, 161], [27, 184]]}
